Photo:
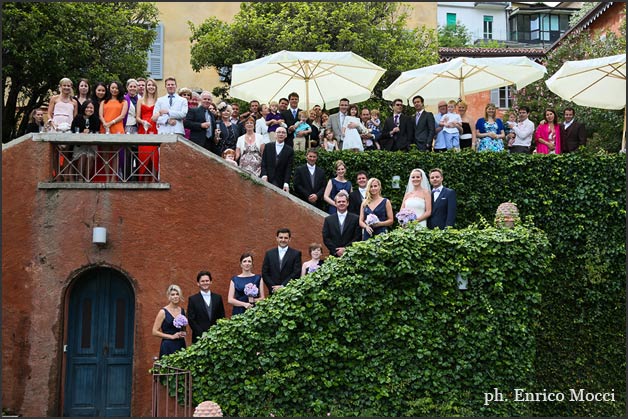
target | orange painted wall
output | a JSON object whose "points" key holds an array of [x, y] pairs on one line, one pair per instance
{"points": [[208, 217]]}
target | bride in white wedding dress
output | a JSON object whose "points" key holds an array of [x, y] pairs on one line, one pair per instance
{"points": [[418, 197]]}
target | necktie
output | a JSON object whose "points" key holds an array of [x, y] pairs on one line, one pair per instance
{"points": [[418, 116], [294, 113], [436, 193], [397, 120], [170, 97], [342, 119], [341, 223], [312, 178]]}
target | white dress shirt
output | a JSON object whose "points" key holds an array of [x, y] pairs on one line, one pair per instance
{"points": [[177, 111], [207, 296]]}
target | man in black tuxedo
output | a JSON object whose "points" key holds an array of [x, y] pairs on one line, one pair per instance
{"points": [[341, 229], [282, 263], [204, 308], [277, 160], [309, 180], [357, 195], [291, 117], [443, 202], [397, 130], [201, 122], [424, 125]]}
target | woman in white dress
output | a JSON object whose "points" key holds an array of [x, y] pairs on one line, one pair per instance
{"points": [[351, 136], [418, 196]]}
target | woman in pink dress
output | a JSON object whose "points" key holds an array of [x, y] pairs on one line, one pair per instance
{"points": [[548, 135], [148, 155]]}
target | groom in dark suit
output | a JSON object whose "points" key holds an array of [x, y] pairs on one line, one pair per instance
{"points": [[341, 229], [309, 180], [277, 161], [204, 308], [443, 202], [282, 263]]}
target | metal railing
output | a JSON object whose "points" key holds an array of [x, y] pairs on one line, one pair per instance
{"points": [[105, 163], [172, 391], [105, 158]]}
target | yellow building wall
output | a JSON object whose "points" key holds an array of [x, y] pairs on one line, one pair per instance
{"points": [[175, 16]]}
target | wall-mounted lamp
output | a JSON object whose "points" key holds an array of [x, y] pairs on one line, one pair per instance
{"points": [[395, 182], [99, 235], [462, 282]]}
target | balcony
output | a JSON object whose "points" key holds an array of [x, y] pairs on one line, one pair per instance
{"points": [[104, 161]]}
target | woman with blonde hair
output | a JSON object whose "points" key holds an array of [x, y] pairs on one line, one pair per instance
{"points": [[376, 213], [165, 325], [336, 184], [467, 138], [147, 155], [418, 197], [62, 108]]}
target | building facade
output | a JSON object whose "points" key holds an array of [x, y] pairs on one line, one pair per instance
{"points": [[170, 55]]}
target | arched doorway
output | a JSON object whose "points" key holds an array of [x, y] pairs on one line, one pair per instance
{"points": [[99, 350]]}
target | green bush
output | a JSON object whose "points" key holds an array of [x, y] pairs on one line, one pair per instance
{"points": [[384, 331], [579, 200]]}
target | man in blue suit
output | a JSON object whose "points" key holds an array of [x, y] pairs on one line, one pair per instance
{"points": [[443, 202]]}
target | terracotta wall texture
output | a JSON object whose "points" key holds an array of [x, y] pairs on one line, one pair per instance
{"points": [[209, 216]]}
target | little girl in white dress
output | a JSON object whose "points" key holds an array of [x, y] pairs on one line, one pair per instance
{"points": [[351, 136]]}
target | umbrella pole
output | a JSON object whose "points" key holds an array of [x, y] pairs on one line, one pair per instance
{"points": [[623, 136]]}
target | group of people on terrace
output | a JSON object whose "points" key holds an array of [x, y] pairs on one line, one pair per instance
{"points": [[262, 140]]}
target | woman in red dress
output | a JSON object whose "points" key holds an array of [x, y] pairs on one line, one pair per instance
{"points": [[148, 155]]}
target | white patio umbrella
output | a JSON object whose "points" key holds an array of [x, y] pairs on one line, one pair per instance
{"points": [[598, 82], [461, 76], [320, 78]]}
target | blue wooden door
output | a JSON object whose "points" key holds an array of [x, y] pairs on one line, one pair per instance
{"points": [[100, 345]]}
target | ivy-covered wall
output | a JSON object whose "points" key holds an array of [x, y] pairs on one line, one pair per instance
{"points": [[385, 331], [309, 341], [579, 200]]}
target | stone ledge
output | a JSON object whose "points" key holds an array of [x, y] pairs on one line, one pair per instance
{"points": [[83, 185]]}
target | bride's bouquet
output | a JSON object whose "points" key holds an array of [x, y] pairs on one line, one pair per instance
{"points": [[405, 215]]}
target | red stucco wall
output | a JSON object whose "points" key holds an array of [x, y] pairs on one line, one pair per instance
{"points": [[209, 216]]}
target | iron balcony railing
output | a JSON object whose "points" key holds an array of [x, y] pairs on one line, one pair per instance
{"points": [[105, 158]]}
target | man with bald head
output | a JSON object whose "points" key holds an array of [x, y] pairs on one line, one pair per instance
{"points": [[201, 122]]}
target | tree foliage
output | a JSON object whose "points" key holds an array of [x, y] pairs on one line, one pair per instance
{"points": [[454, 36], [604, 127], [374, 30], [44, 42]]}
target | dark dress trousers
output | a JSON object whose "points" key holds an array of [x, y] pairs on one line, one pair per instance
{"points": [[273, 274], [334, 238], [290, 121], [443, 209], [201, 317], [278, 168], [193, 120], [423, 132], [303, 186], [399, 141], [573, 137]]}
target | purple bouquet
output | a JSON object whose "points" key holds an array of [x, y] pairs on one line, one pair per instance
{"points": [[371, 219], [180, 321], [250, 290], [312, 268], [405, 216]]}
